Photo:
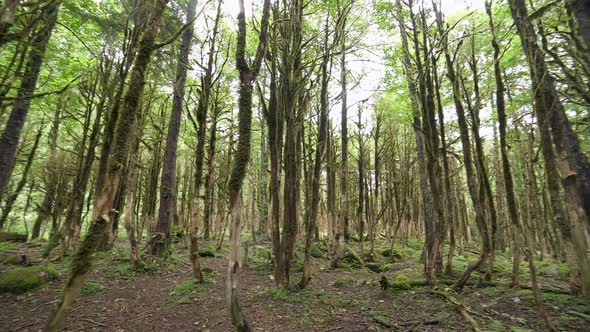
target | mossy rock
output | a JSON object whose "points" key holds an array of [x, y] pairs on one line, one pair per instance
{"points": [[11, 259], [12, 236], [375, 267], [402, 282], [388, 253], [352, 258], [23, 279], [317, 251]]}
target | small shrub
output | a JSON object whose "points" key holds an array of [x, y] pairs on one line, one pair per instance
{"points": [[386, 267], [207, 252], [90, 288], [564, 270], [298, 263], [279, 293]]}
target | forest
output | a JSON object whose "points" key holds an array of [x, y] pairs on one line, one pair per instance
{"points": [[294, 165]]}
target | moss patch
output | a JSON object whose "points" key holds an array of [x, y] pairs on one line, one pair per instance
{"points": [[188, 289], [207, 252], [344, 281], [11, 259], [90, 288], [402, 282], [317, 251], [23, 279]]}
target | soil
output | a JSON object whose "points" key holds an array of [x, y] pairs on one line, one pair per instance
{"points": [[133, 301]]}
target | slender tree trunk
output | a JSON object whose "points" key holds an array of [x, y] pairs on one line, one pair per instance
{"points": [[159, 244], [342, 218], [16, 121], [242, 157], [23, 180], [202, 108], [311, 218], [506, 170], [468, 162]]}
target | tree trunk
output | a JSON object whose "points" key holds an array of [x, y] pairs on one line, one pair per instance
{"points": [[23, 180], [12, 131], [158, 246], [573, 163], [242, 157], [312, 212]]}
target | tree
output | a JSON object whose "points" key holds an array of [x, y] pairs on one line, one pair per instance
{"points": [[20, 108], [248, 74], [161, 240]]}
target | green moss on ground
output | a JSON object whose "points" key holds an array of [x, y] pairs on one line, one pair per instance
{"points": [[91, 287], [10, 259], [186, 290], [342, 282], [207, 251], [402, 282], [317, 251], [23, 279]]}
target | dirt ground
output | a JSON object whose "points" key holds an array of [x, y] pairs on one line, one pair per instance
{"points": [[122, 299]]}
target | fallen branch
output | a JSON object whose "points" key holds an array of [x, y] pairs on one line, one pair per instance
{"points": [[385, 323], [93, 322], [462, 309]]}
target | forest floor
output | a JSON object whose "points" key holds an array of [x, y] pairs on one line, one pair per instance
{"points": [[164, 298]]}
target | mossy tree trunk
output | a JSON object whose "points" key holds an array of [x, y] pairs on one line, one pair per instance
{"points": [[9, 202], [10, 138], [248, 74], [312, 211]]}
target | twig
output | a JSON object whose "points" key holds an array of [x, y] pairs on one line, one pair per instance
{"points": [[93, 322], [44, 94]]}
